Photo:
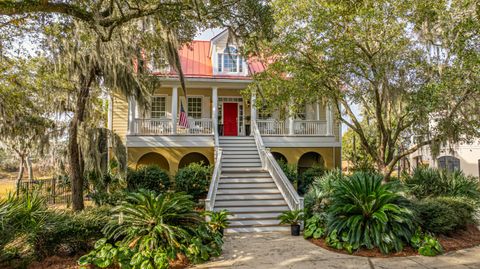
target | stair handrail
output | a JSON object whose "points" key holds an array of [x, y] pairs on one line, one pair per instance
{"points": [[294, 201], [212, 190]]}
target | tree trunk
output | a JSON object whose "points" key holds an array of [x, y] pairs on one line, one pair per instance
{"points": [[28, 161], [20, 174], [76, 175]]}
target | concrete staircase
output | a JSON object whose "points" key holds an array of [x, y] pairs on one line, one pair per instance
{"points": [[246, 190]]}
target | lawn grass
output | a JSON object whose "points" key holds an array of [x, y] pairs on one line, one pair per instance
{"points": [[6, 186]]}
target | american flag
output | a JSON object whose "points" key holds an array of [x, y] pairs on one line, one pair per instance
{"points": [[183, 117]]}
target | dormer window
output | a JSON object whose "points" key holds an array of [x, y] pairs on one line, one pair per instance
{"points": [[230, 61]]}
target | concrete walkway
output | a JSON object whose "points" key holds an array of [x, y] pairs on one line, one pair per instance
{"points": [[280, 250]]}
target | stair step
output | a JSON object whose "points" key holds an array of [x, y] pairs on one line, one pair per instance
{"points": [[253, 209], [229, 197], [236, 160], [256, 203], [247, 180], [253, 222], [253, 215], [242, 170], [260, 185], [248, 191], [255, 229], [242, 164], [239, 148], [237, 155], [245, 174], [238, 144], [240, 153]]}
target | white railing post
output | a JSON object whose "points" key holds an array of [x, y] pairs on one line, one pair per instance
{"points": [[253, 110], [329, 117], [215, 109], [132, 103], [291, 120], [174, 109]]}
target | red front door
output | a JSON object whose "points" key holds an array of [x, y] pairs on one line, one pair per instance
{"points": [[230, 125]]}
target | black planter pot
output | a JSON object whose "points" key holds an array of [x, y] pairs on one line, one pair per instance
{"points": [[295, 229]]}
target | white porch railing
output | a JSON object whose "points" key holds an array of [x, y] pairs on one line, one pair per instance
{"points": [[310, 127], [272, 127], [197, 127], [294, 201], [300, 127], [212, 191], [153, 127], [165, 127]]}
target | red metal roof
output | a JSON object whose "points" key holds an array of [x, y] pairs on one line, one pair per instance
{"points": [[197, 63]]}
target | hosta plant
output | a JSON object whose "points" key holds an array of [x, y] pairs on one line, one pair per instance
{"points": [[315, 226], [426, 244], [370, 213]]}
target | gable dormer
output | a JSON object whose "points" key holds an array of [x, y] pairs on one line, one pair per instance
{"points": [[226, 57]]}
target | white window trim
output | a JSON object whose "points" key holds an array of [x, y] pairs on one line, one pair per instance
{"points": [[201, 105], [166, 102], [215, 63]]}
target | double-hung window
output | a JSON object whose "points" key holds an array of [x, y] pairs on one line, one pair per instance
{"points": [[195, 107], [230, 61], [158, 107]]}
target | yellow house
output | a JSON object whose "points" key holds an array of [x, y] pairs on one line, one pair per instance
{"points": [[222, 128]]}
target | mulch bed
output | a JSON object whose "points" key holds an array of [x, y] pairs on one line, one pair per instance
{"points": [[461, 239]]}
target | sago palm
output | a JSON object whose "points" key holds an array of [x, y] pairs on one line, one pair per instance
{"points": [[367, 213], [150, 221]]}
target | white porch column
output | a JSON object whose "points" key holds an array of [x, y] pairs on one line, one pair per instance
{"points": [[317, 110], [291, 118], [329, 116], [215, 109], [253, 111], [132, 108], [174, 109]]}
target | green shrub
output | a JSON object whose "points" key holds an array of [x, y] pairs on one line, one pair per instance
{"points": [[318, 195], [366, 212], [442, 215], [315, 226], [306, 179], [45, 232], [290, 171], [293, 217], [70, 233], [149, 230], [426, 244], [430, 182], [194, 179], [149, 177]]}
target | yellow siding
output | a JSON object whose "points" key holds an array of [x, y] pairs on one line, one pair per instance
{"points": [[330, 155], [173, 155], [120, 115]]}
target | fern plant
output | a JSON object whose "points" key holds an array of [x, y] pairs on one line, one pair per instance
{"points": [[371, 214]]}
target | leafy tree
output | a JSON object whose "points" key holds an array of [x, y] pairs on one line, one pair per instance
{"points": [[353, 152], [411, 66], [25, 126], [95, 42]]}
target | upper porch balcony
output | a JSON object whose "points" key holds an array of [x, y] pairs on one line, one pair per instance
{"points": [[225, 114]]}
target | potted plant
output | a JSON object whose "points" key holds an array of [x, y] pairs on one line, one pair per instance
{"points": [[293, 218], [218, 220]]}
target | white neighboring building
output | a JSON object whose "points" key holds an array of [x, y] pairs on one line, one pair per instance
{"points": [[463, 156]]}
